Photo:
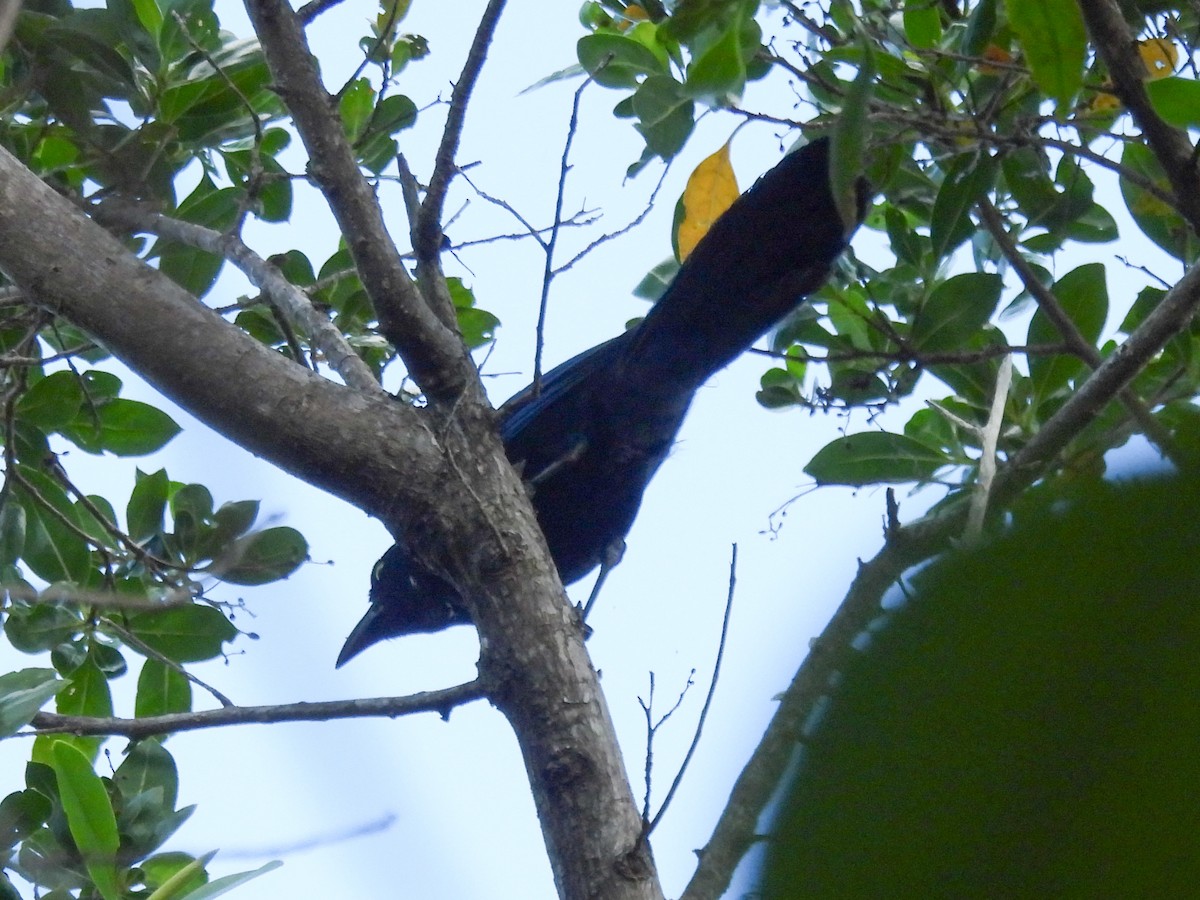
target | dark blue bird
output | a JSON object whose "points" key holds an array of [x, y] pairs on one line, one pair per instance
{"points": [[591, 438]]}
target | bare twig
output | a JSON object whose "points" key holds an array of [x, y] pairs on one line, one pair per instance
{"points": [[427, 237], [441, 702], [552, 241], [712, 689]]}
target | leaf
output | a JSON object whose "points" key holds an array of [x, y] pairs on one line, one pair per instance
{"points": [[875, 457], [184, 633], [665, 113], [1159, 56], [161, 689], [1083, 295], [1177, 100], [133, 428], [922, 23], [968, 178], [22, 694], [52, 401], [1022, 725], [53, 548], [228, 882], [616, 61], [718, 75], [1055, 42], [148, 767], [147, 502], [1157, 219], [87, 694], [711, 189], [265, 556], [656, 281], [41, 627], [89, 816], [956, 309], [849, 139]]}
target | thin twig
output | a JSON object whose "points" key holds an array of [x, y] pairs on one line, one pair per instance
{"points": [[428, 235], [441, 702], [712, 689], [552, 241]]}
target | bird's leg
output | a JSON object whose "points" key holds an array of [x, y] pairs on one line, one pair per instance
{"points": [[612, 555]]}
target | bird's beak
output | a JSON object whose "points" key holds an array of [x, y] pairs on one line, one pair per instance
{"points": [[361, 637]]}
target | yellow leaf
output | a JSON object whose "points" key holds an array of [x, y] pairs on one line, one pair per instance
{"points": [[710, 191], [1159, 56]]}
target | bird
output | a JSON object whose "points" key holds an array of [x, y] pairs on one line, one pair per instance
{"points": [[589, 436]]}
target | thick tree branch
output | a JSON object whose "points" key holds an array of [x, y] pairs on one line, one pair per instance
{"points": [[440, 702], [428, 343], [1117, 46]]}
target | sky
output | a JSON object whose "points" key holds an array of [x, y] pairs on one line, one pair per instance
{"points": [[422, 808]]}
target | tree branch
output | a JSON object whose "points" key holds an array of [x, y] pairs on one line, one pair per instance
{"points": [[440, 702], [427, 236], [428, 344], [281, 293], [1117, 46]]}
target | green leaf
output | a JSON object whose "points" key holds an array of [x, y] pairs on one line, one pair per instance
{"points": [[922, 23], [175, 875], [21, 814], [42, 626], [358, 100], [147, 502], [161, 689], [265, 556], [875, 457], [132, 428], [1083, 295], [52, 401], [968, 178], [718, 75], [148, 767], [228, 882], [956, 309], [53, 548], [665, 113], [12, 531], [657, 280], [1177, 100], [184, 633], [616, 61], [1055, 43], [849, 139], [89, 816], [1157, 219], [22, 694], [87, 694]]}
